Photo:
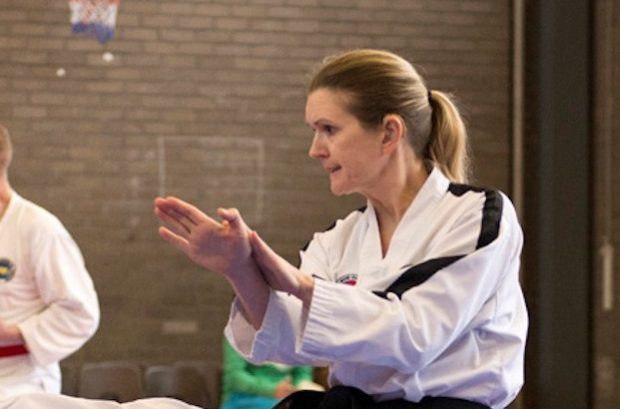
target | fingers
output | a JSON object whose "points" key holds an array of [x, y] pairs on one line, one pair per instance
{"points": [[181, 217], [175, 206], [174, 239], [260, 253], [257, 244], [174, 221], [263, 254]]}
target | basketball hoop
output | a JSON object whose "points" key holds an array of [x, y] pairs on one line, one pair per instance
{"points": [[94, 18]]}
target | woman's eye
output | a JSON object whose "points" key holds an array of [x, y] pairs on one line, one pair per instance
{"points": [[328, 129]]}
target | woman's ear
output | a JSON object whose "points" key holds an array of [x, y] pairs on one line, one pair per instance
{"points": [[393, 132]]}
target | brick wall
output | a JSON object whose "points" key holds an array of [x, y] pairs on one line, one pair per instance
{"points": [[204, 99]]}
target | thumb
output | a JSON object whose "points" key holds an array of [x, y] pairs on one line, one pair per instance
{"points": [[233, 217]]}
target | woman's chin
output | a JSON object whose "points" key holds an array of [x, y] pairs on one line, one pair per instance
{"points": [[339, 190], [336, 190]]}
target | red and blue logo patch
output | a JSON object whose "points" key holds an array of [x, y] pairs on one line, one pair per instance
{"points": [[349, 279]]}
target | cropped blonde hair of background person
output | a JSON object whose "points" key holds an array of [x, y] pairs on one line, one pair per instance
{"points": [[6, 151], [381, 83]]}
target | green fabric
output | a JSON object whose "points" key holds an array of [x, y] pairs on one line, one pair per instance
{"points": [[241, 376]]}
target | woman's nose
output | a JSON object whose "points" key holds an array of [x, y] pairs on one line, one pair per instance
{"points": [[316, 148]]}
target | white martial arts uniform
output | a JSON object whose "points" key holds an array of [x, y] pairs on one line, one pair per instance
{"points": [[40, 400], [46, 291], [442, 314]]}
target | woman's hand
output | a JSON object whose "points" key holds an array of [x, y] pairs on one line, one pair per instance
{"points": [[279, 273], [221, 247]]}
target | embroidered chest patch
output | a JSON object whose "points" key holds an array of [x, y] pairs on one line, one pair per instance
{"points": [[7, 269], [349, 279]]}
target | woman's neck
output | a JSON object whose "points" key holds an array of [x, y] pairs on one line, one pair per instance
{"points": [[393, 199]]}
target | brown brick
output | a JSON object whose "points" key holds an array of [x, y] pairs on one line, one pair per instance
{"points": [[29, 112], [164, 21]]}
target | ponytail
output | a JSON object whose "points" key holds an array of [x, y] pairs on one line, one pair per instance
{"points": [[447, 143]]}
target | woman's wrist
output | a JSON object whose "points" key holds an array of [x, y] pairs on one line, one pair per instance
{"points": [[238, 272], [251, 291], [305, 289]]}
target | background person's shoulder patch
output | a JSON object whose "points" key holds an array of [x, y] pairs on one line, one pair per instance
{"points": [[7, 269]]}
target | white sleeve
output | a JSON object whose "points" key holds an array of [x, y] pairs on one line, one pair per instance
{"points": [[72, 313], [279, 337], [352, 324]]}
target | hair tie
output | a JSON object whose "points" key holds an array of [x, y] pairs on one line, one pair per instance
{"points": [[430, 96]]}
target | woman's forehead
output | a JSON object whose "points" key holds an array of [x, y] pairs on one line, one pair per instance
{"points": [[328, 103]]}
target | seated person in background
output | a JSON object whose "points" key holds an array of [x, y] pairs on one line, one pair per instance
{"points": [[48, 304], [248, 386]]}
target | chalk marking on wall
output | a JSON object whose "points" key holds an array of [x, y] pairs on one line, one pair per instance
{"points": [[161, 155], [179, 327], [254, 147]]}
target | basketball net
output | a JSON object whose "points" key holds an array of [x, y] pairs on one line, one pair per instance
{"points": [[94, 18]]}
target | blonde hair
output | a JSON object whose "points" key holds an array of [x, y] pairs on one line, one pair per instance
{"points": [[381, 83], [6, 150]]}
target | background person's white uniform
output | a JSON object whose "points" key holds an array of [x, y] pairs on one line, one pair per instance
{"points": [[453, 325], [46, 290], [40, 400]]}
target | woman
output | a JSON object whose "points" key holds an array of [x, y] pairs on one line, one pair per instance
{"points": [[433, 314]]}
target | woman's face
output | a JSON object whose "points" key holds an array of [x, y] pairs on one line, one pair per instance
{"points": [[351, 154]]}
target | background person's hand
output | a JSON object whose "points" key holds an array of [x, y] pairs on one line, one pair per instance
{"points": [[284, 389], [10, 334]]}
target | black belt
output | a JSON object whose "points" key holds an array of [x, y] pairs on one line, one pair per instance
{"points": [[345, 397], [447, 403]]}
